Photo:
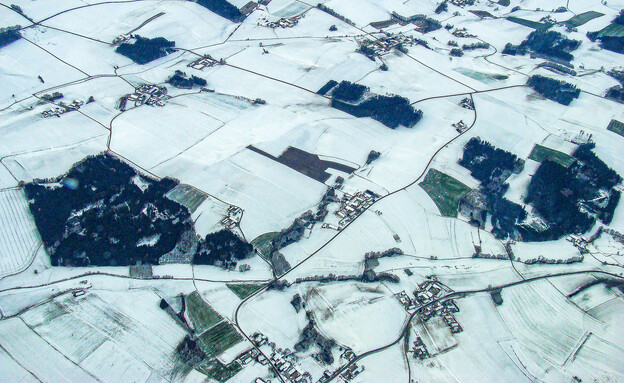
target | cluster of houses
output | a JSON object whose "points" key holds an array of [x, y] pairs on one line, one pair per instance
{"points": [[420, 350], [284, 22], [425, 295], [405, 300], [122, 39], [144, 94], [445, 310], [578, 242], [460, 126], [580, 138], [353, 205], [462, 3], [63, 108], [283, 361], [387, 43], [462, 32], [351, 372], [204, 62], [233, 216], [467, 103]]}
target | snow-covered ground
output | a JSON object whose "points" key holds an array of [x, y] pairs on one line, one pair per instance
{"points": [[262, 93]]}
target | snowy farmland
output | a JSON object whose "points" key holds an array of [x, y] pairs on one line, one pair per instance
{"points": [[308, 237], [19, 239]]}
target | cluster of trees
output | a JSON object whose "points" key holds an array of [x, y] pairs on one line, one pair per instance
{"points": [[222, 248], [488, 163], [558, 91], [456, 52], [9, 35], [442, 7], [428, 24], [181, 80], [327, 87], [391, 111], [619, 19], [337, 15], [569, 200], [52, 97], [372, 156], [144, 49], [311, 336], [367, 51], [612, 43], [223, 9], [349, 92], [548, 43], [469, 47], [554, 193], [100, 217], [615, 93], [492, 166]]}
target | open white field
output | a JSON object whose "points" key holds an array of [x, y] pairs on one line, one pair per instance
{"points": [[543, 321], [108, 336], [261, 92], [19, 238], [358, 316]]}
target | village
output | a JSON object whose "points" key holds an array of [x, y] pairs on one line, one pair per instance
{"points": [[351, 206], [284, 360], [386, 43], [205, 62], [232, 218], [62, 108], [427, 301], [144, 94]]}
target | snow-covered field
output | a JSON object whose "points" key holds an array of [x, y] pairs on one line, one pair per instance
{"points": [[557, 320], [19, 238]]}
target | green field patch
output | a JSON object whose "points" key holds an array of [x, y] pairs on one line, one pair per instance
{"points": [[482, 14], [529, 23], [262, 243], [219, 338], [445, 191], [612, 30], [243, 290], [582, 18], [200, 313], [616, 127], [220, 372], [541, 153]]}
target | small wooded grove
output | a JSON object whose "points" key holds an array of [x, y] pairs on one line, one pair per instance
{"points": [[555, 90], [144, 49], [547, 43], [9, 35], [356, 99], [568, 200]]}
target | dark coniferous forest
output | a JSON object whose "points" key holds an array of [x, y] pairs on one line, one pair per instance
{"points": [[555, 90], [182, 81], [222, 248], [103, 213], [548, 43], [9, 35], [223, 9], [145, 50], [613, 42], [97, 214], [568, 200], [357, 100]]}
